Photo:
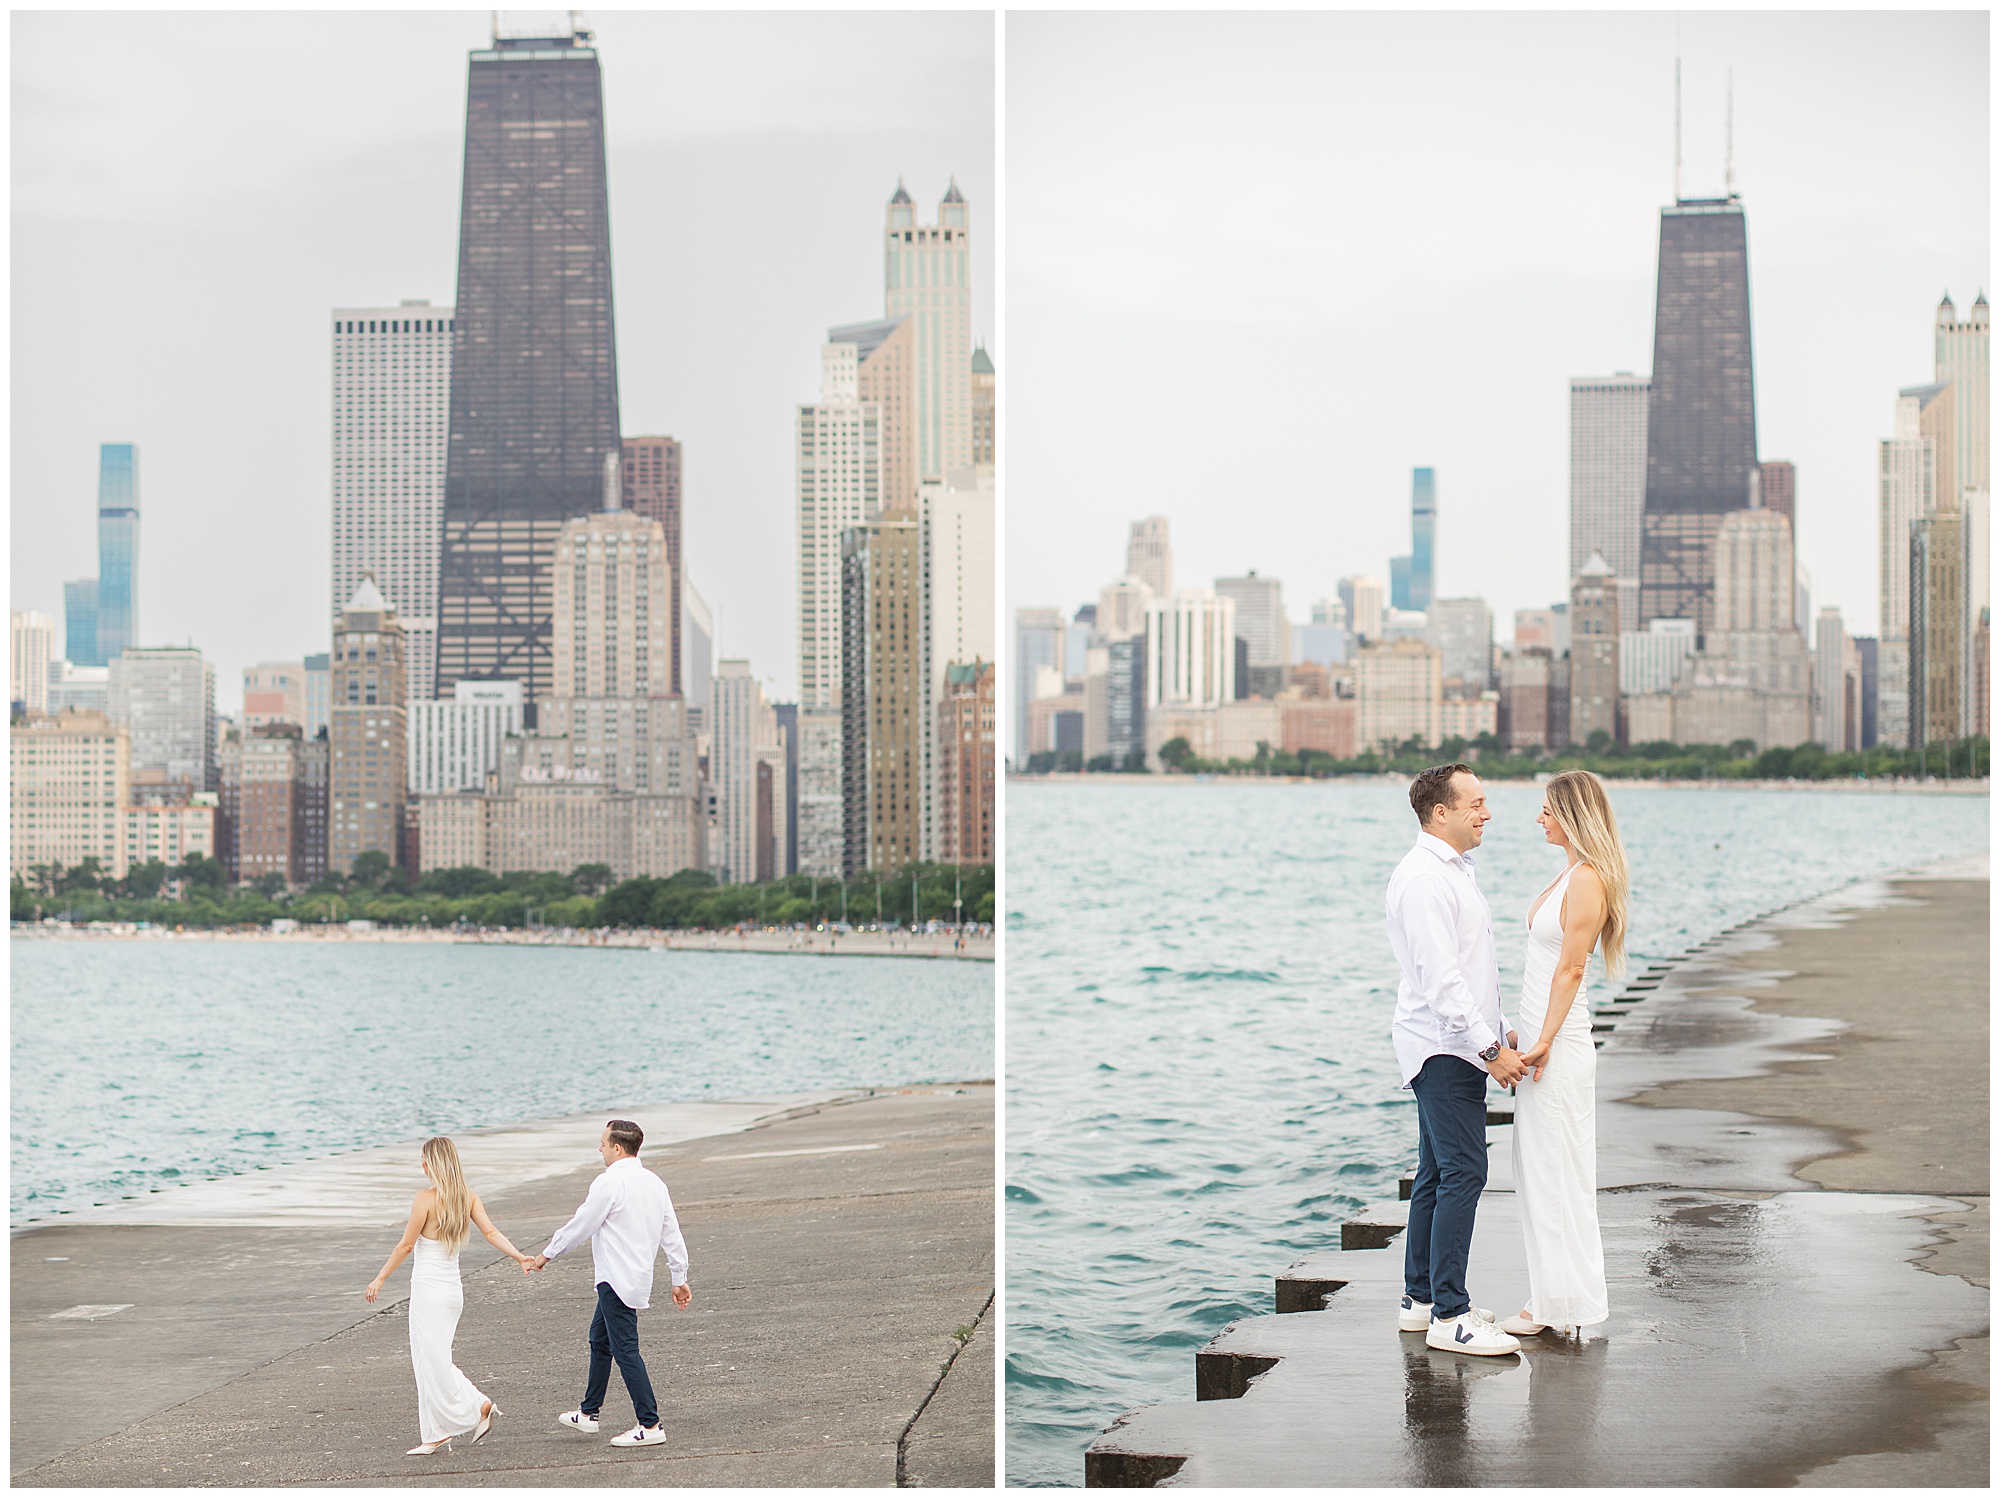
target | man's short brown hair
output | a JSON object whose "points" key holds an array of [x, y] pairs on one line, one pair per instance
{"points": [[1432, 788], [627, 1135]]}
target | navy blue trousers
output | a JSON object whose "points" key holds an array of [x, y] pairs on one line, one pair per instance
{"points": [[1451, 1172], [614, 1333]]}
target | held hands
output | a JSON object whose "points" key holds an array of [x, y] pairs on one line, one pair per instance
{"points": [[534, 1264], [1536, 1056], [1507, 1067]]}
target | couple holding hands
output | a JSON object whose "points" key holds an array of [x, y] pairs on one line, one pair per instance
{"points": [[1451, 1039], [628, 1216]]}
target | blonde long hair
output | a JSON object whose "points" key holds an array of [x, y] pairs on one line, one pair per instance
{"points": [[1581, 808], [453, 1215]]}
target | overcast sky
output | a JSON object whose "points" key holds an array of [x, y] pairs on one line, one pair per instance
{"points": [[193, 193], [1260, 266]]}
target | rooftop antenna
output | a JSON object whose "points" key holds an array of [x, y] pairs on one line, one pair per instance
{"points": [[1677, 111], [1729, 138]]}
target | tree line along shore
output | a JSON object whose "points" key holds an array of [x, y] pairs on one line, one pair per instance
{"points": [[197, 893], [1958, 759]]}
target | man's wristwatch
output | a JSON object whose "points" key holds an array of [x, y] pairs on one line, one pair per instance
{"points": [[1491, 1053]]}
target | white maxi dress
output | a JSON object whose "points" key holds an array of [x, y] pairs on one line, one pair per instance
{"points": [[1555, 1140], [447, 1402]]}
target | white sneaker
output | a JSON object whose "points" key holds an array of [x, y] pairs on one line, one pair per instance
{"points": [[578, 1420], [1468, 1334], [1415, 1315], [646, 1435]]}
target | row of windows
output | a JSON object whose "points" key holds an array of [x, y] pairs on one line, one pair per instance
{"points": [[399, 325]]}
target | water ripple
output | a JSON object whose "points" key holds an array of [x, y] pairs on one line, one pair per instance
{"points": [[136, 1064]]}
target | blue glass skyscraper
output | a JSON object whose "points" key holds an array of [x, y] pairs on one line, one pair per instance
{"points": [[1412, 578], [80, 622], [117, 549], [100, 614]]}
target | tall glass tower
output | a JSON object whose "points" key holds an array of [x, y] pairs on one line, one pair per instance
{"points": [[1701, 415], [101, 614], [534, 368], [1413, 579]]}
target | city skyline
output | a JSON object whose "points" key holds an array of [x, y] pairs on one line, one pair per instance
{"points": [[721, 296], [1508, 245]]}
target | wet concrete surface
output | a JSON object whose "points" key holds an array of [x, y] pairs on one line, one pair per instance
{"points": [[1762, 1332], [835, 1254]]}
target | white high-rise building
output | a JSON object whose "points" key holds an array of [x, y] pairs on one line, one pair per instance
{"points": [[956, 565], [698, 655], [746, 765], [929, 275], [32, 647], [1963, 360], [1149, 555], [1607, 470], [1365, 598], [391, 407], [1651, 660], [839, 485], [1121, 609], [1909, 474], [1260, 616], [1755, 579], [456, 744], [1191, 650], [1836, 709]]}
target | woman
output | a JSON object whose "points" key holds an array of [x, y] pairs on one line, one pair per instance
{"points": [[440, 1219], [1555, 1108]]}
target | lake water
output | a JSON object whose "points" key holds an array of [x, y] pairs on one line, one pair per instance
{"points": [[138, 1064], [1200, 1084]]}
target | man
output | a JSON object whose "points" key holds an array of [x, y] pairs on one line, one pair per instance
{"points": [[628, 1217], [1450, 1036]]}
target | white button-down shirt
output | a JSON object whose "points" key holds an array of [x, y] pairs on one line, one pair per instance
{"points": [[628, 1217], [1441, 930]]}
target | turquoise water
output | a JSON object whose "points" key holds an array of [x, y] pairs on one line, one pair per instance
{"points": [[1200, 1084], [140, 1063]]}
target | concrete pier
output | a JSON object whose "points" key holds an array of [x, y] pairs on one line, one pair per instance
{"points": [[1793, 1179], [841, 1331]]}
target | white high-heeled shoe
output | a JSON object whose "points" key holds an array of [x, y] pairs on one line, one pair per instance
{"points": [[429, 1447], [486, 1419]]}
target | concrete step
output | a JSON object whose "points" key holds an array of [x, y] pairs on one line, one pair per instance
{"points": [[1376, 1226]]}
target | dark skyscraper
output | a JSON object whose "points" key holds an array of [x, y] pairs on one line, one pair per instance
{"points": [[1701, 419], [534, 373]]}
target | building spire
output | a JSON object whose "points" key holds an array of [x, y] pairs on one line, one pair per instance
{"points": [[1677, 112], [1729, 137]]}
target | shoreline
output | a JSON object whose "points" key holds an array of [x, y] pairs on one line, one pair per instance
{"points": [[1869, 787], [767, 943], [372, 1183]]}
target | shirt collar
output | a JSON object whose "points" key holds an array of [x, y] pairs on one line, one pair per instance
{"points": [[1431, 843], [623, 1160]]}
